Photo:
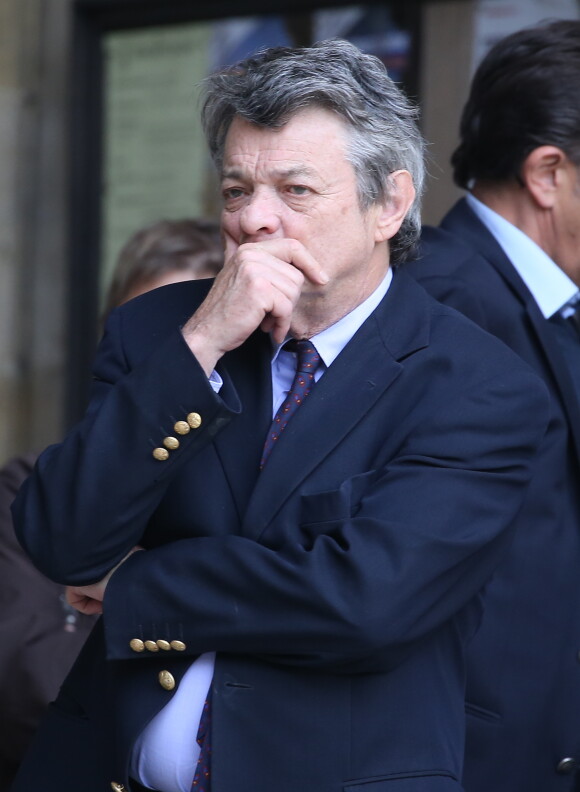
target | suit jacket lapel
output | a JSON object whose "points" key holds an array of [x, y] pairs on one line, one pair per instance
{"points": [[359, 376], [239, 445], [462, 222]]}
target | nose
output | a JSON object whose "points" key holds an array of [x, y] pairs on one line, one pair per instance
{"points": [[260, 215]]}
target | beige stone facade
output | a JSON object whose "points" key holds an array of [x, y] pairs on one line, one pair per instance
{"points": [[33, 58]]}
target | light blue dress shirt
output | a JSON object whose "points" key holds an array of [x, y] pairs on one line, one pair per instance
{"points": [[165, 754]]}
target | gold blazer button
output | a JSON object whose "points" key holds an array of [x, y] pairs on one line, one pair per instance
{"points": [[151, 646], [194, 420], [182, 427], [179, 646], [137, 645], [161, 454], [166, 680], [165, 645]]}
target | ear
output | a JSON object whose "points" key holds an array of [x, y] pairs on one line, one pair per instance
{"points": [[541, 173], [392, 213]]}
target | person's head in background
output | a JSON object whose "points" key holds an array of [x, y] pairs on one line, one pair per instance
{"points": [[168, 251], [519, 149]]}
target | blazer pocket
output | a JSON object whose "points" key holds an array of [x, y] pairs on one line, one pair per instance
{"points": [[323, 507], [424, 781], [334, 505]]}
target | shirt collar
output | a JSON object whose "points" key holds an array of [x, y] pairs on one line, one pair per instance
{"points": [[330, 342], [551, 288]]}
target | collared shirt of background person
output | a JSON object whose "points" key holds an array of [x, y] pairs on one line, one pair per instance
{"points": [[320, 601], [40, 633], [508, 256]]}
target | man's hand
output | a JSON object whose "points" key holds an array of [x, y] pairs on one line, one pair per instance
{"points": [[259, 286], [89, 599]]}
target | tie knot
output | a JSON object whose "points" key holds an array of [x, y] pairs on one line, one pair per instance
{"points": [[307, 358]]}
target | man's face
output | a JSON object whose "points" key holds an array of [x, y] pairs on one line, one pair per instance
{"points": [[295, 182]]}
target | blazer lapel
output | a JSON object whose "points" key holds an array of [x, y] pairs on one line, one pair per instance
{"points": [[462, 222], [239, 445], [557, 363], [359, 376]]}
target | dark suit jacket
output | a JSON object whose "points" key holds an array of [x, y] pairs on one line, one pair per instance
{"points": [[523, 668], [338, 587]]}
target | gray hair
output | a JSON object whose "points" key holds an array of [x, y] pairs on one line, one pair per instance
{"points": [[268, 88]]}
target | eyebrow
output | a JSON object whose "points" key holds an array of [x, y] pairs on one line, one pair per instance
{"points": [[287, 173]]}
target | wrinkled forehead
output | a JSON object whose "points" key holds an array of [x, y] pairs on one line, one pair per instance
{"points": [[306, 136]]}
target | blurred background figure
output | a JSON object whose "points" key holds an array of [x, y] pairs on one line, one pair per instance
{"points": [[169, 251], [40, 634]]}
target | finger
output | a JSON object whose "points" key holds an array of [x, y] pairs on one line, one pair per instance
{"points": [[281, 329], [92, 607], [260, 283], [278, 317], [89, 607], [278, 327], [267, 324], [72, 596], [82, 603], [293, 252]]}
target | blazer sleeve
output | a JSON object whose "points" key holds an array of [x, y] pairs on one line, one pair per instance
{"points": [[72, 532]]}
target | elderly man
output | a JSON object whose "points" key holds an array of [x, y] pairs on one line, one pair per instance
{"points": [[508, 256], [293, 593]]}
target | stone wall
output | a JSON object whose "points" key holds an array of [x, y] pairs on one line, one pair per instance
{"points": [[34, 52], [446, 60]]}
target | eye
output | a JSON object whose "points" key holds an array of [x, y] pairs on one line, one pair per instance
{"points": [[298, 189], [232, 193]]}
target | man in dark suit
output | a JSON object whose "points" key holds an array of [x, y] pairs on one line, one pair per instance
{"points": [[294, 594], [508, 256]]}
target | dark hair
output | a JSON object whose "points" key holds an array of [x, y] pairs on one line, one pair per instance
{"points": [[270, 87], [525, 94], [185, 245]]}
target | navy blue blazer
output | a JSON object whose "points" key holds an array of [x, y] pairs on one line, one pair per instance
{"points": [[523, 688], [338, 587]]}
